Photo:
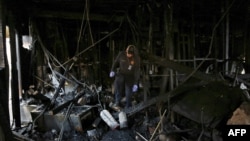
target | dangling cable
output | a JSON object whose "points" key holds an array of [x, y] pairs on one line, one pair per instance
{"points": [[94, 43], [81, 29], [211, 42]]}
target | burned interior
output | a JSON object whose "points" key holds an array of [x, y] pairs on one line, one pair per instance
{"points": [[56, 57]]}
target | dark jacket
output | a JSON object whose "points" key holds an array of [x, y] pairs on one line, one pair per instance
{"points": [[122, 63]]}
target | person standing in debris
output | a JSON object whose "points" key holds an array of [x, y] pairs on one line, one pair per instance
{"points": [[126, 69]]}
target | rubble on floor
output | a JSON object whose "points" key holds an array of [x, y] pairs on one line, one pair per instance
{"points": [[86, 115]]}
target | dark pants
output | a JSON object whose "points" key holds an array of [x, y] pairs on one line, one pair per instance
{"points": [[123, 83]]}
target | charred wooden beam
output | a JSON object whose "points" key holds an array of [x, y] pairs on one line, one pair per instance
{"points": [[180, 89], [239, 78], [15, 85], [217, 101], [59, 108], [56, 94], [76, 16], [178, 67], [162, 98], [67, 103]]}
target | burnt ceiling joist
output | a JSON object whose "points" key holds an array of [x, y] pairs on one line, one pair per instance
{"points": [[77, 16], [200, 11]]}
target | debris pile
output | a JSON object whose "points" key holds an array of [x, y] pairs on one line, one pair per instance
{"points": [[72, 110]]}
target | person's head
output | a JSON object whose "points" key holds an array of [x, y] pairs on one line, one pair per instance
{"points": [[130, 51]]}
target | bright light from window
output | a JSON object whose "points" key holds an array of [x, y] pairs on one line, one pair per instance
{"points": [[27, 40]]}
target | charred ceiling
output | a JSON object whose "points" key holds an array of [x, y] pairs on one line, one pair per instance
{"points": [[200, 16]]}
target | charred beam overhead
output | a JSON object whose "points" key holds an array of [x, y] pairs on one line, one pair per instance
{"points": [[78, 5], [201, 11], [180, 68], [103, 11], [77, 16]]}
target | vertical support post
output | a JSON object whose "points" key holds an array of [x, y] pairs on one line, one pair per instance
{"points": [[168, 42], [227, 43], [246, 39], [14, 81], [4, 76]]}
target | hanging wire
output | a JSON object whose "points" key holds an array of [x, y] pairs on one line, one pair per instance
{"points": [[211, 42], [133, 29], [87, 15], [91, 46], [86, 12], [50, 58], [81, 30], [54, 62], [57, 63]]}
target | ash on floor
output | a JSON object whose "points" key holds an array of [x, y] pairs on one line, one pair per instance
{"points": [[119, 135]]}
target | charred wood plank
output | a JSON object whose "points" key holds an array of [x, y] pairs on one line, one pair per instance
{"points": [[61, 84], [59, 108], [67, 103]]}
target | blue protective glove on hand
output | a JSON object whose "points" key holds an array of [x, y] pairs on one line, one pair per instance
{"points": [[112, 74], [135, 88]]}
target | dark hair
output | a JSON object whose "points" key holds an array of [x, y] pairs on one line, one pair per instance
{"points": [[131, 49]]}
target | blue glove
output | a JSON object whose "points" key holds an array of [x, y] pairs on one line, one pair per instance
{"points": [[135, 88], [112, 74]]}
